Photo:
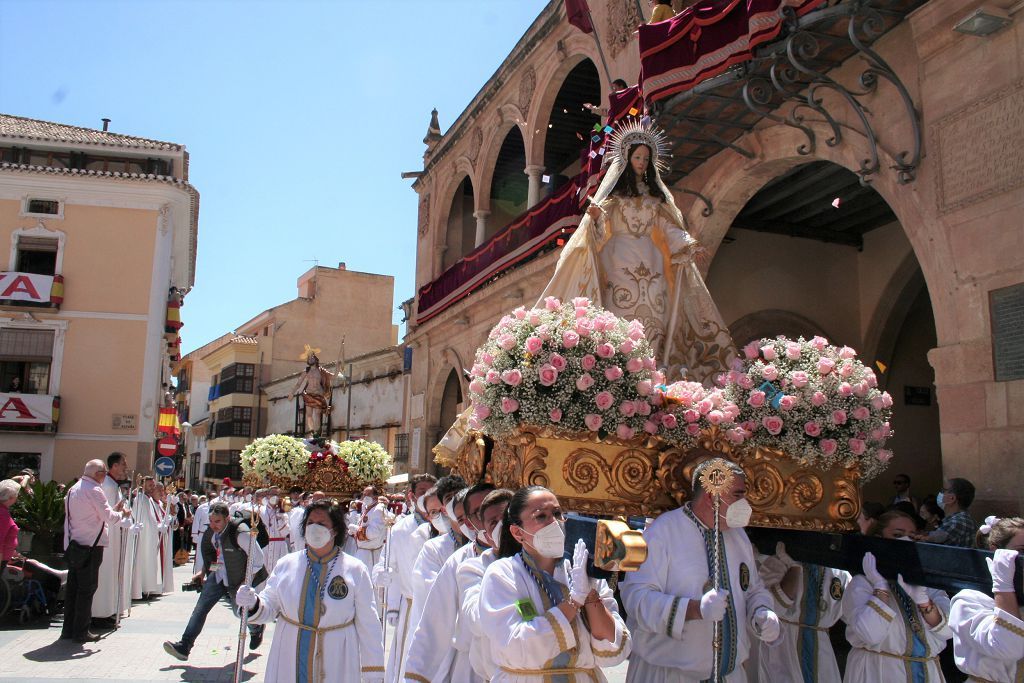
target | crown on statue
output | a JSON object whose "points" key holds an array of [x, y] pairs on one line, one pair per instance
{"points": [[640, 132]]}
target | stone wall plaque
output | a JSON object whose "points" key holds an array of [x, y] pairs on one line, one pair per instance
{"points": [[1006, 307], [123, 422], [978, 149]]}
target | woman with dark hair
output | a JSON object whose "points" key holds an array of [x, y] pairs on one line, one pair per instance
{"points": [[897, 629], [544, 618], [322, 600], [988, 632]]}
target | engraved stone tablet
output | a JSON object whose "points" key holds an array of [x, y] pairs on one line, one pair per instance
{"points": [[1007, 310]]}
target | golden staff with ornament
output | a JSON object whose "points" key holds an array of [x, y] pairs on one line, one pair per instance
{"points": [[716, 479]]}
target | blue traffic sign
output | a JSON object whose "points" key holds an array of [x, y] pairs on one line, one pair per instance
{"points": [[164, 466]]}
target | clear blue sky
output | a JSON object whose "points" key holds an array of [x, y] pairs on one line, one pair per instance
{"points": [[298, 116]]}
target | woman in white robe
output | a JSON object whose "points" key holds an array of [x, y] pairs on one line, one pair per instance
{"points": [[352, 518], [897, 630], [988, 633], [148, 568], [276, 522], [322, 599], [809, 601], [532, 604]]}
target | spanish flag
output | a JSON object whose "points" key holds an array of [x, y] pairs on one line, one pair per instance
{"points": [[169, 422]]}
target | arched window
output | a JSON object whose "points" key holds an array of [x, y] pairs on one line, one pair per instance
{"points": [[510, 185], [460, 233], [570, 125]]}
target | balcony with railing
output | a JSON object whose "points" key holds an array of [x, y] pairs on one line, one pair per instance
{"points": [[29, 412], [33, 290]]}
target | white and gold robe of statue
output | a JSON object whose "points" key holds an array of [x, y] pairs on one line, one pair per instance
{"points": [[435, 652], [804, 650], [676, 572], [880, 633], [521, 650], [469, 576], [407, 539], [623, 263], [276, 524], [112, 574], [988, 643], [148, 574], [348, 645], [373, 527]]}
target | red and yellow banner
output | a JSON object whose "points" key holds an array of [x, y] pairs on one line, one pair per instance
{"points": [[169, 422]]}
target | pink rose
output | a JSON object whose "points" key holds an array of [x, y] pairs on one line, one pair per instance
{"points": [[650, 363], [581, 312], [704, 406], [580, 301], [588, 362], [819, 343], [886, 430], [658, 377], [828, 446], [846, 370], [534, 344], [845, 390], [750, 351], [773, 424], [605, 350], [552, 304], [584, 381], [846, 353], [534, 317], [693, 429], [604, 400], [745, 382], [642, 407], [512, 377], [870, 378], [860, 413], [493, 377], [544, 332], [716, 417], [768, 351], [626, 347], [613, 373], [600, 324], [635, 331], [558, 361], [838, 417], [876, 434], [770, 372], [481, 411], [650, 427], [509, 405], [520, 313], [826, 365], [583, 327], [547, 375], [857, 446], [883, 455], [861, 389], [476, 386], [627, 408], [669, 421], [818, 399], [555, 415], [792, 350], [625, 432], [593, 422], [886, 399], [877, 402], [691, 415], [736, 436], [487, 358], [799, 379], [506, 341], [787, 402], [475, 423], [570, 339], [756, 399], [643, 387], [812, 428], [634, 365]]}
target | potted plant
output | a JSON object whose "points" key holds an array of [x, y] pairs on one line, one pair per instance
{"points": [[42, 514]]}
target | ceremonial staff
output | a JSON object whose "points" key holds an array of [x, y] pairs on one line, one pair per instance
{"points": [[716, 479], [244, 611]]}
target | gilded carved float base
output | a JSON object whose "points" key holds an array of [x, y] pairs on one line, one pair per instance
{"points": [[333, 480]]}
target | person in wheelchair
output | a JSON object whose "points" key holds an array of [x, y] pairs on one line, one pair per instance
{"points": [[9, 536]]}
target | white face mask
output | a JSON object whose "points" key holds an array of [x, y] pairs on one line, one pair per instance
{"points": [[441, 523], [939, 499], [248, 497], [469, 533], [550, 541], [738, 514], [273, 500], [420, 505], [367, 502], [496, 537], [449, 509], [317, 535]]}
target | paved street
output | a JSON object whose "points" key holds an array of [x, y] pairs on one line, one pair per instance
{"points": [[135, 652]]}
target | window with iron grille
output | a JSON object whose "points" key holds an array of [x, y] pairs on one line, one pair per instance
{"points": [[401, 448], [50, 207]]}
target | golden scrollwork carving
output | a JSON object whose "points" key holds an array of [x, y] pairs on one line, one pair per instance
{"points": [[845, 503], [765, 486], [630, 474], [805, 490], [582, 470]]}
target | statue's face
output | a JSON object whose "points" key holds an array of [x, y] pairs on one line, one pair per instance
{"points": [[639, 160]]}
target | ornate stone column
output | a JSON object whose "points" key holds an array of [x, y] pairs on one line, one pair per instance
{"points": [[533, 193], [481, 226]]}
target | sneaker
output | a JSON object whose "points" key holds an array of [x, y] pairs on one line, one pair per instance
{"points": [[176, 650], [255, 639]]}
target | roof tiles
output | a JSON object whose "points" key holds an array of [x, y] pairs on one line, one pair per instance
{"points": [[35, 129]]}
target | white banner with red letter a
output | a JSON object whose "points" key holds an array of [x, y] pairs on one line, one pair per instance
{"points": [[26, 409]]}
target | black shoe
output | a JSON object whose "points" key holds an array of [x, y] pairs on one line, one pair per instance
{"points": [[104, 622], [255, 639], [87, 637], [176, 650], [65, 636]]}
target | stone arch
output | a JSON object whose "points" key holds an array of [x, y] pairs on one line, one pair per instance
{"points": [[771, 323], [900, 293], [456, 224], [729, 180], [508, 185], [492, 147]]}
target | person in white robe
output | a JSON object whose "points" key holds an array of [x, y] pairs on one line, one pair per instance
{"points": [[896, 629], [434, 554], [544, 618], [276, 523], [352, 519], [168, 524], [672, 601], [809, 601], [200, 521], [988, 632], [440, 646], [147, 575], [295, 517], [115, 569], [396, 576], [322, 600], [371, 531]]}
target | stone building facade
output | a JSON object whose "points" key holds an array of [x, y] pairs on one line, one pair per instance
{"points": [[924, 278]]}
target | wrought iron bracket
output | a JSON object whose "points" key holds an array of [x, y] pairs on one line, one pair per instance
{"points": [[708, 209]]}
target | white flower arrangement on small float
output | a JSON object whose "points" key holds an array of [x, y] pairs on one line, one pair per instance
{"points": [[277, 455]]}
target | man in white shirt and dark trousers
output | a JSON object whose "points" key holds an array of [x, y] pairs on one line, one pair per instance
{"points": [[225, 547], [87, 514]]}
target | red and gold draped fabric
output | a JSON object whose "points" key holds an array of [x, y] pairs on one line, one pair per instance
{"points": [[707, 38], [173, 322], [169, 422]]}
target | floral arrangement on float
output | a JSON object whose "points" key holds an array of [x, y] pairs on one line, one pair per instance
{"points": [[275, 456], [365, 461], [816, 403]]}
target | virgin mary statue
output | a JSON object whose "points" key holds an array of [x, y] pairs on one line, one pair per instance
{"points": [[633, 256]]}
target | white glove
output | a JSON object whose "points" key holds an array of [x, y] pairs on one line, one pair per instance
{"points": [[876, 580], [766, 624], [392, 618], [1002, 567], [246, 597], [782, 556], [352, 529], [136, 529], [713, 604], [772, 571], [580, 583], [383, 578], [125, 523], [919, 594]]}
